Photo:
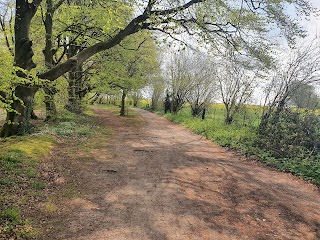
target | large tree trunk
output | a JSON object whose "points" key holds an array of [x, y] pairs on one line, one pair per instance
{"points": [[17, 121], [74, 83], [176, 104]]}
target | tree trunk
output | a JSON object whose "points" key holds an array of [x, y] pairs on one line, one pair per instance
{"points": [[229, 118], [74, 102], [51, 110], [50, 91], [123, 98], [196, 109], [167, 104], [135, 102], [74, 81], [135, 99], [18, 119], [203, 115], [154, 103]]}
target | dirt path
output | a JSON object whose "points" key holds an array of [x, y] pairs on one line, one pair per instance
{"points": [[156, 180]]}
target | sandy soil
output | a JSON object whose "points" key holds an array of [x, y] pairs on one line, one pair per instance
{"points": [[157, 180]]}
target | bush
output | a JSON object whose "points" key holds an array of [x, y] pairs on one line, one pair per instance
{"points": [[291, 134]]}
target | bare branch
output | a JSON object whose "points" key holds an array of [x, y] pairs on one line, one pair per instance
{"points": [[133, 49]]}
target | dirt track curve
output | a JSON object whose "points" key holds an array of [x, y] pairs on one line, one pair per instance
{"points": [[157, 180]]}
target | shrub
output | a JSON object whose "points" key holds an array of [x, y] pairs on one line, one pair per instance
{"points": [[291, 134]]}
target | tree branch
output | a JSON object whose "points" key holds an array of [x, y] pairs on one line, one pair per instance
{"points": [[134, 49], [134, 26], [175, 9]]}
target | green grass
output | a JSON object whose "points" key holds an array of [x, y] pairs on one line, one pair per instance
{"points": [[20, 182], [242, 135], [72, 125], [15, 226]]}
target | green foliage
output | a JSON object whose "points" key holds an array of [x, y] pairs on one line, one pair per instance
{"points": [[292, 145], [6, 77], [292, 139], [236, 135], [11, 160], [105, 17], [12, 215], [291, 134], [127, 66], [16, 170], [38, 185]]}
